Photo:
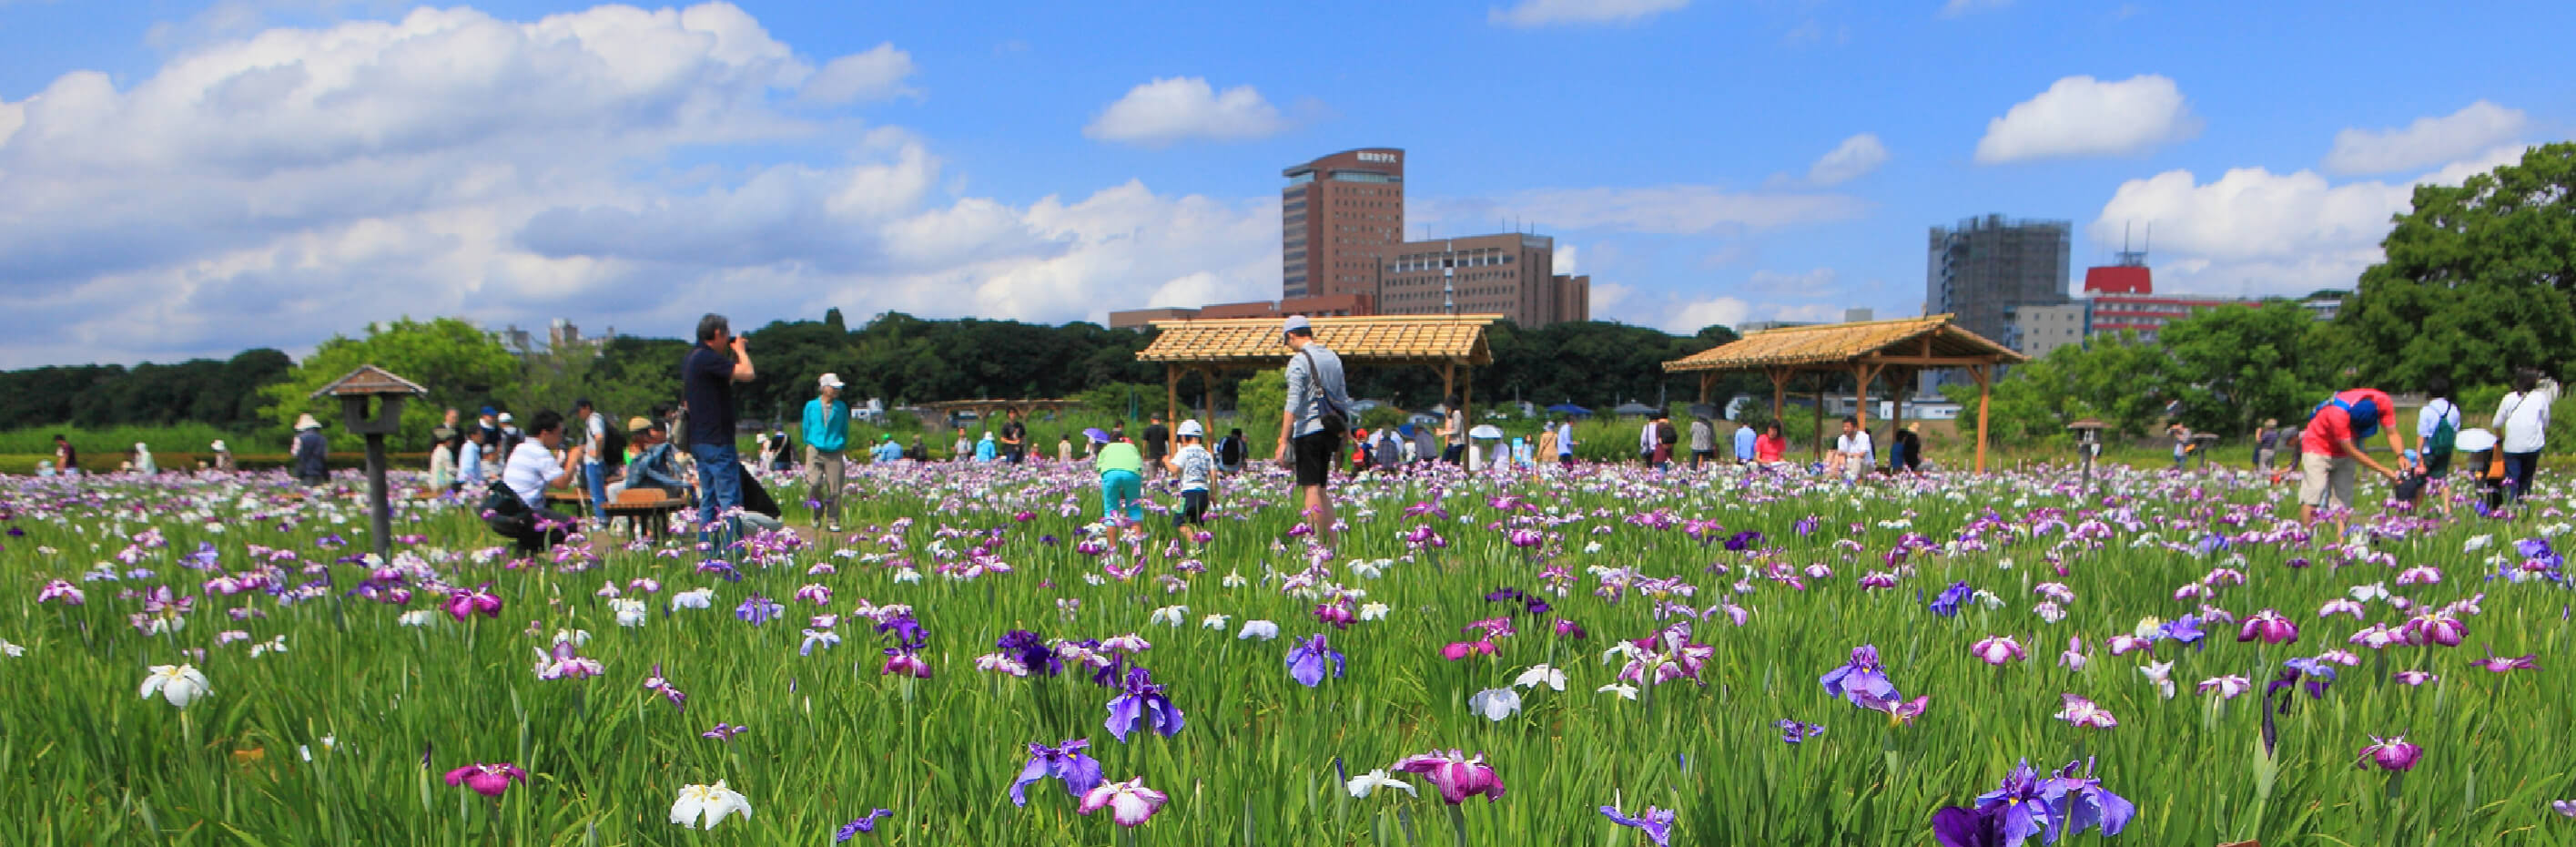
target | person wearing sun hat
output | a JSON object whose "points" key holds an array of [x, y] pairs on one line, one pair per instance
{"points": [[1317, 412], [223, 459], [1122, 482], [656, 463], [826, 428], [310, 452], [1195, 465]]}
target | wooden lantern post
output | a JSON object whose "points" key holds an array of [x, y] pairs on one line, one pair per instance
{"points": [[389, 392]]}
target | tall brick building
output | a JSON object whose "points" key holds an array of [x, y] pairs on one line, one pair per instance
{"points": [[1339, 217], [1511, 274]]}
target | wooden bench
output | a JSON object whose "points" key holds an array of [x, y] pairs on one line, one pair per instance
{"points": [[648, 508]]}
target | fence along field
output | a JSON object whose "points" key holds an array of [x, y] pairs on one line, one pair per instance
{"points": [[1653, 643]]}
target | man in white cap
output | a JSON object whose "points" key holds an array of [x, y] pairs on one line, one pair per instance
{"points": [[1317, 413], [310, 451], [827, 437], [1195, 465]]}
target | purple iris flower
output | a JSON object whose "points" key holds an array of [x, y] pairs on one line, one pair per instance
{"points": [[1862, 680], [2319, 675], [2082, 803], [1792, 732], [1142, 704], [2020, 807], [1956, 826], [1947, 605], [1065, 761], [1739, 541], [1306, 661], [867, 823], [1031, 652], [1658, 823], [2212, 543], [2185, 629], [1806, 525], [757, 610]]}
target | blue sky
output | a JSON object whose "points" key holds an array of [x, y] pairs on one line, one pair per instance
{"points": [[185, 179]]}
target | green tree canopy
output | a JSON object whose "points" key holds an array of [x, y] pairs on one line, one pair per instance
{"points": [[2479, 278], [459, 364]]}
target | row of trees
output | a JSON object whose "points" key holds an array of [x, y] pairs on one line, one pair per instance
{"points": [[2479, 279], [222, 393], [903, 359]]}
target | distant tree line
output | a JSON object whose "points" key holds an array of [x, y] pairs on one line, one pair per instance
{"points": [[895, 357], [219, 392]]}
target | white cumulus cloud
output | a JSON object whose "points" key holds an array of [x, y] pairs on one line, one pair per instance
{"points": [[1853, 159], [275, 188], [1173, 109], [2081, 117], [876, 74], [2255, 231], [2427, 141], [1538, 13]]}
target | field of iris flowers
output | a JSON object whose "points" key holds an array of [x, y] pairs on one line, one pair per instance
{"points": [[1608, 656]]}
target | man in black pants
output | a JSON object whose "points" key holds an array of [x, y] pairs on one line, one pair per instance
{"points": [[1015, 440], [1315, 393], [1158, 440]]}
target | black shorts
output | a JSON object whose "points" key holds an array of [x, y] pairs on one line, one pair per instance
{"points": [[1315, 452], [2437, 465]]}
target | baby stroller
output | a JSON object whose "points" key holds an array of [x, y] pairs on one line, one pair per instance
{"points": [[2485, 463]]}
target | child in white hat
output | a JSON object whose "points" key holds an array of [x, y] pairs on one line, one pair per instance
{"points": [[1195, 465]]}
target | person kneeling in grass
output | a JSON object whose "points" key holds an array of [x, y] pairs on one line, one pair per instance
{"points": [[1194, 464], [1122, 485]]}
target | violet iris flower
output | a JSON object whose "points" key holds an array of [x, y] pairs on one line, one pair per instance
{"points": [[867, 823], [1792, 732], [1306, 661], [757, 610], [1658, 823], [1031, 652], [2019, 807], [2065, 803], [905, 656], [2185, 629], [1947, 605], [1064, 761], [1862, 680], [1956, 826], [1142, 704], [2319, 673], [2082, 803], [1738, 543]]}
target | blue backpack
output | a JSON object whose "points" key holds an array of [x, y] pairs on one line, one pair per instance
{"points": [[2365, 415]]}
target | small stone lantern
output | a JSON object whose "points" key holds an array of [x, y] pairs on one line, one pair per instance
{"points": [[389, 392]]}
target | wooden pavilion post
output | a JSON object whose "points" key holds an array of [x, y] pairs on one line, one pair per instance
{"points": [[1779, 397], [1862, 375], [1820, 414], [1705, 379], [1985, 391], [1467, 399], [1207, 401], [1171, 393]]}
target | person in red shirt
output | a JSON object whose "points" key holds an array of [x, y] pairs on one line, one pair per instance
{"points": [[1771, 446], [2331, 458]]}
